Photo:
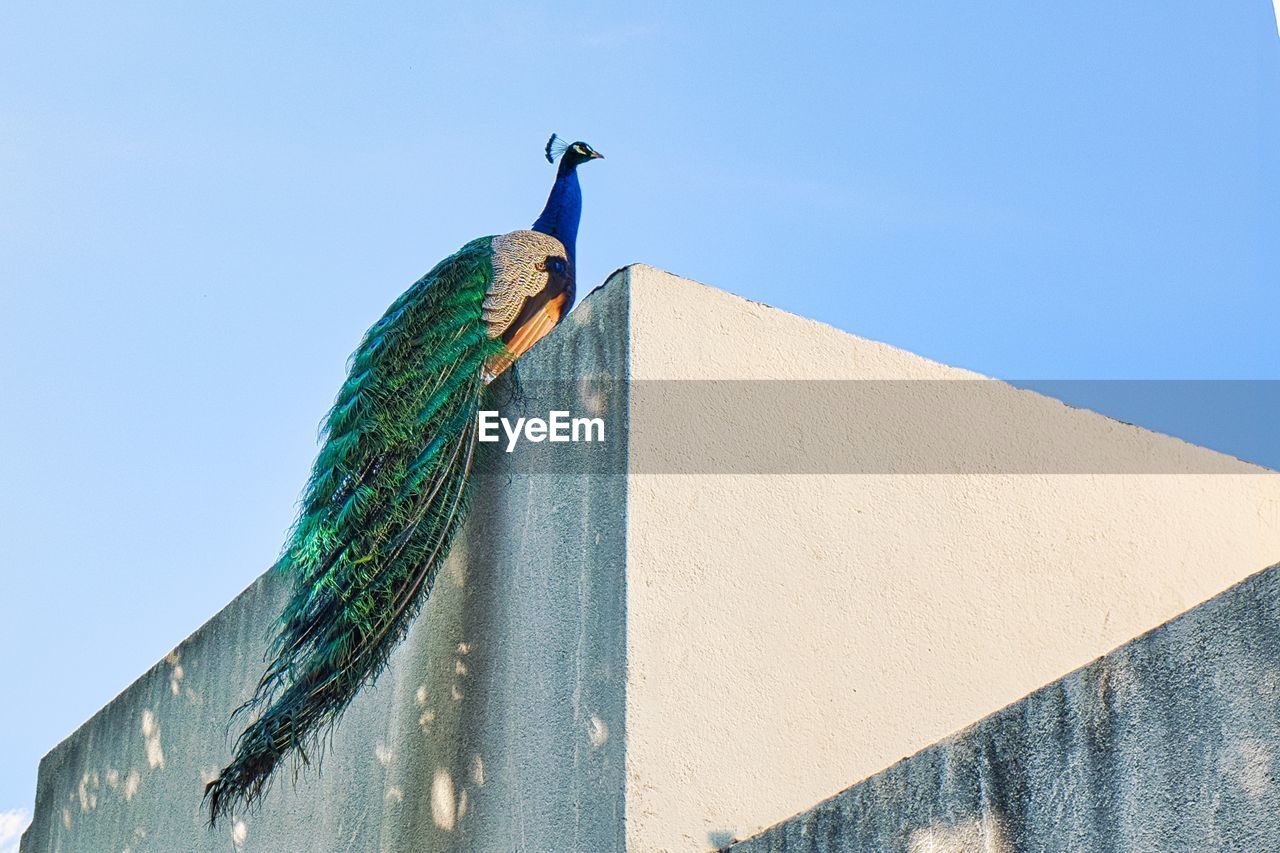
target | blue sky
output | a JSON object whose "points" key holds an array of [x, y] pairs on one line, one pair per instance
{"points": [[202, 208]]}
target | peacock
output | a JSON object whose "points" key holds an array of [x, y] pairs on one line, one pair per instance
{"points": [[389, 487]]}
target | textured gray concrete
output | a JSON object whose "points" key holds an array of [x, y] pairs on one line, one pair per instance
{"points": [[499, 724], [1169, 743]]}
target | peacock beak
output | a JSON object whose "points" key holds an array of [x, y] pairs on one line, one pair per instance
{"points": [[596, 155]]}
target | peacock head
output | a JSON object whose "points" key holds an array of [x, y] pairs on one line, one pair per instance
{"points": [[571, 154]]}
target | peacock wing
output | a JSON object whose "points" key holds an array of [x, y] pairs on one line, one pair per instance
{"points": [[532, 290]]}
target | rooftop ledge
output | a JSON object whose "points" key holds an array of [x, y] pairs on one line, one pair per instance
{"points": [[628, 655]]}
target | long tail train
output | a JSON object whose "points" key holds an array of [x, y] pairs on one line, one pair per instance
{"points": [[377, 517]]}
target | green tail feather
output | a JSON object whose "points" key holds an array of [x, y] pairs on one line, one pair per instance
{"points": [[386, 496]]}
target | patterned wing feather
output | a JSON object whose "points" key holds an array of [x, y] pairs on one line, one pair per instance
{"points": [[532, 290]]}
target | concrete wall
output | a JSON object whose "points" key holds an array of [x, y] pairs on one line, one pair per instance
{"points": [[790, 634], [1169, 743], [654, 644], [498, 725]]}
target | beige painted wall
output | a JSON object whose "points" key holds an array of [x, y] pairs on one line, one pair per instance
{"points": [[789, 635]]}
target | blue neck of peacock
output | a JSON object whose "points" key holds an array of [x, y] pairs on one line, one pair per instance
{"points": [[564, 208]]}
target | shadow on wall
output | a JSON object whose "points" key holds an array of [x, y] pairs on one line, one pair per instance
{"points": [[720, 840]]}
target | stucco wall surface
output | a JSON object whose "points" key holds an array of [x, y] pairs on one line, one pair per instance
{"points": [[1170, 743], [791, 633]]}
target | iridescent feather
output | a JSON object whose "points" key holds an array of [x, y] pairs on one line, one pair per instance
{"points": [[385, 499]]}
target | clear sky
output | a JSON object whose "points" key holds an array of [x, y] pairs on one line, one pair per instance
{"points": [[201, 209]]}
